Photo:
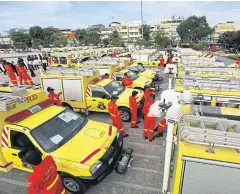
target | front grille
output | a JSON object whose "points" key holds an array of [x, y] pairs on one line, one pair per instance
{"points": [[110, 152]]}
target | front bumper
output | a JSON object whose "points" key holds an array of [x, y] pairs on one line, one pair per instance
{"points": [[106, 168]]}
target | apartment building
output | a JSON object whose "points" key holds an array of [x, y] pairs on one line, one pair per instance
{"points": [[130, 31], [105, 32], [169, 27], [220, 28]]}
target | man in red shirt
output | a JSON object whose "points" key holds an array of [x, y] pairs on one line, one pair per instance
{"points": [[54, 96], [145, 110], [23, 75], [115, 116], [44, 178], [133, 107], [147, 92], [162, 62], [127, 81]]}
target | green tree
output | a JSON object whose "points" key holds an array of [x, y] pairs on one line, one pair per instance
{"points": [[81, 36], [114, 39], [230, 39], [194, 29], [20, 38], [146, 32], [61, 41], [161, 39], [37, 36], [105, 42]]}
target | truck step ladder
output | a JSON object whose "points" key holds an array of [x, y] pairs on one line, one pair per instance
{"points": [[210, 131], [81, 71]]}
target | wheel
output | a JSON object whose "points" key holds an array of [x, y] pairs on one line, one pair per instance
{"points": [[72, 184], [67, 105], [125, 114]]}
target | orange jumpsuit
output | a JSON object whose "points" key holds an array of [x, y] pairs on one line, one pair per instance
{"points": [[162, 62], [56, 98], [133, 107], [146, 123], [45, 179], [238, 61], [127, 81], [161, 125], [147, 94], [11, 74], [115, 116], [23, 75], [171, 61]]}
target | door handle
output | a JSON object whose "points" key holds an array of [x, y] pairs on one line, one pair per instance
{"points": [[93, 100], [14, 154]]}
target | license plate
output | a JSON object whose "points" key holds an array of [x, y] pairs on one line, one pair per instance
{"points": [[110, 160]]}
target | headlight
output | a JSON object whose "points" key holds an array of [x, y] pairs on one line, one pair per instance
{"points": [[95, 167]]}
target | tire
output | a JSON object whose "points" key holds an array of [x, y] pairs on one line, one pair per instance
{"points": [[125, 114], [67, 105], [73, 184]]}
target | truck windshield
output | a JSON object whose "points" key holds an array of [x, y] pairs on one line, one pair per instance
{"points": [[140, 68], [58, 130], [132, 75], [114, 88]]}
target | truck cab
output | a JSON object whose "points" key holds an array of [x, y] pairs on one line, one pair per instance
{"points": [[85, 151], [138, 82], [92, 92]]}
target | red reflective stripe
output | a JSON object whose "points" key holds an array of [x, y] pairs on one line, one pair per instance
{"points": [[5, 132], [6, 165], [110, 131], [90, 156]]}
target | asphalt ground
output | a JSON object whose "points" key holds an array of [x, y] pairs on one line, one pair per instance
{"points": [[144, 177]]}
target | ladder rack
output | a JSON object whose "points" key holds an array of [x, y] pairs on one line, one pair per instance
{"points": [[210, 131], [203, 64], [212, 70], [8, 99], [80, 72]]}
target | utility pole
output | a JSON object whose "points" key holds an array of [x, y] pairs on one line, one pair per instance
{"points": [[142, 19]]}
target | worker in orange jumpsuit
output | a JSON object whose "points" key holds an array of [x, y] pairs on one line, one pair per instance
{"points": [[133, 107], [10, 73], [160, 127], [171, 60], [127, 81], [115, 116], [162, 62], [54, 96], [148, 120], [23, 75], [44, 178], [147, 92], [238, 61]]}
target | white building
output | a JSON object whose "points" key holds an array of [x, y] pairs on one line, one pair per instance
{"points": [[5, 40], [169, 26], [130, 31], [105, 32]]}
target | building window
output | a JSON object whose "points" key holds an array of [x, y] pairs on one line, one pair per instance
{"points": [[124, 27]]}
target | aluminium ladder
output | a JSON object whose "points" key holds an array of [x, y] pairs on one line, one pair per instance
{"points": [[210, 131]]}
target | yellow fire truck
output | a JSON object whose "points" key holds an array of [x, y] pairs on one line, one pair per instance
{"points": [[213, 91], [84, 89], [210, 72], [205, 157], [85, 151]]}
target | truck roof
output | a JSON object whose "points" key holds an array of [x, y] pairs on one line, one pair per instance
{"points": [[41, 117], [103, 82]]}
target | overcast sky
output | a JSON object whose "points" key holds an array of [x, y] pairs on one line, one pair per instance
{"points": [[81, 14]]}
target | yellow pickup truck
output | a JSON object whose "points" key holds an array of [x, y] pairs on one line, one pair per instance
{"points": [[85, 151]]}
